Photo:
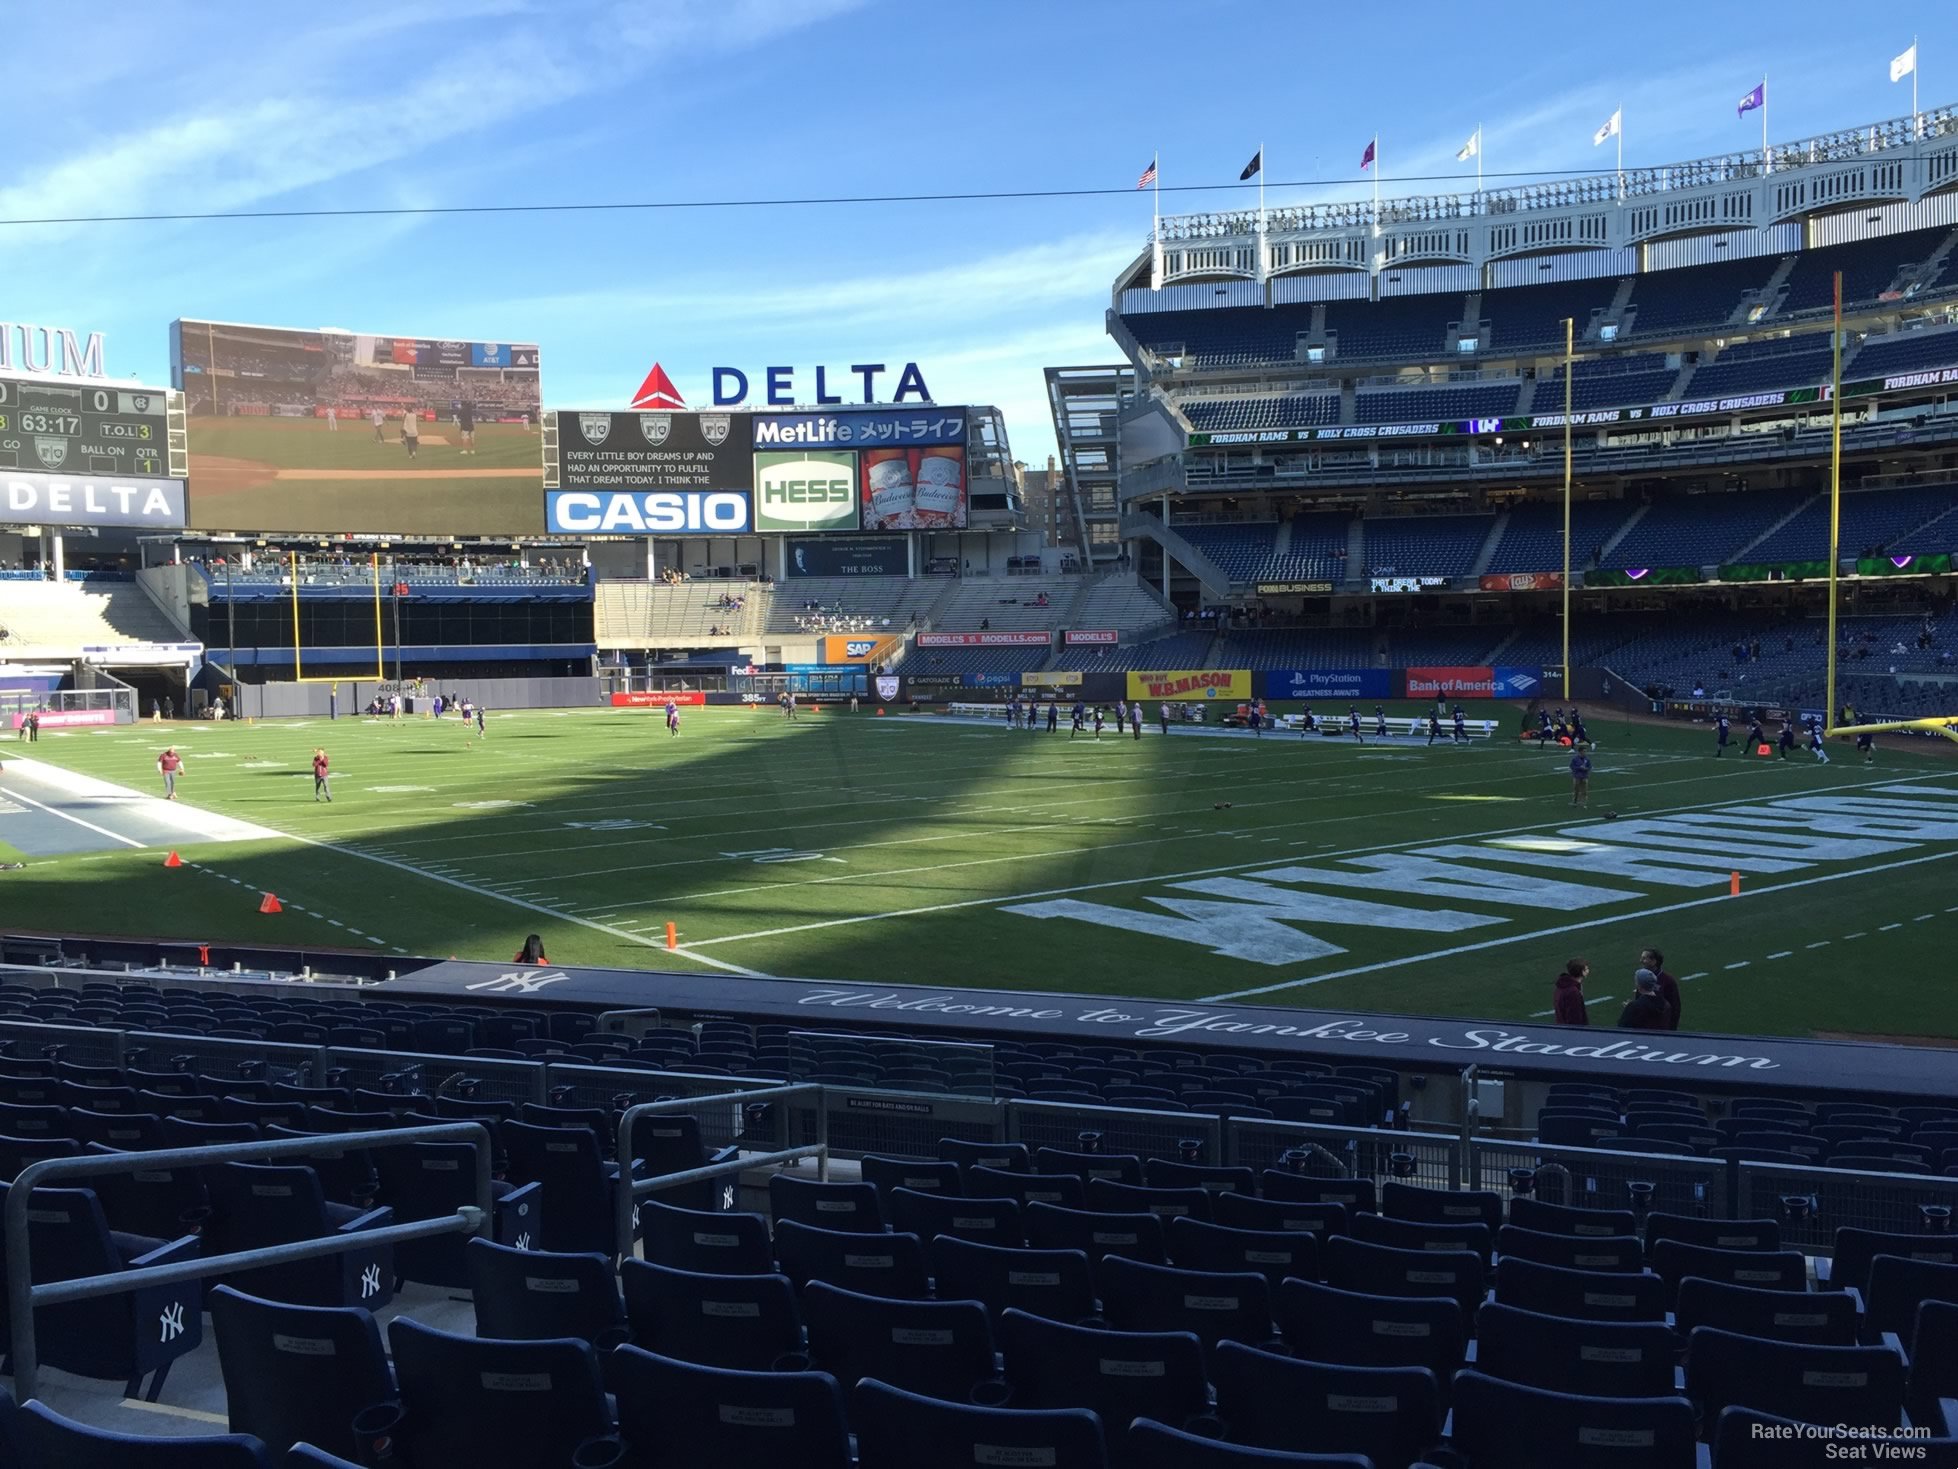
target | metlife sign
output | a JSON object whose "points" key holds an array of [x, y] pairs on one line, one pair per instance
{"points": [[866, 429], [648, 513], [808, 491]]}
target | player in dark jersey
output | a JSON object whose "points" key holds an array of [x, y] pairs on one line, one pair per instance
{"points": [[466, 426], [1787, 741], [1815, 742], [1379, 722], [1722, 731], [1579, 735], [1353, 723], [1053, 715], [1100, 716], [1461, 726], [1434, 724], [1757, 735], [1866, 742], [1080, 718]]}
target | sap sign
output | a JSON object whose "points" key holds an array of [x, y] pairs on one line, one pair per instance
{"points": [[731, 385], [813, 490], [647, 513]]}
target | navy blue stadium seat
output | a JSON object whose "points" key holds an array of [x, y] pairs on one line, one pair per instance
{"points": [[1105, 1197], [1056, 1284], [682, 1415], [875, 1264], [1323, 1324], [529, 1295], [1241, 1213], [117, 1338], [1713, 1234], [1849, 1266], [894, 1425], [1153, 1445], [1355, 1265], [918, 1175], [1821, 1318], [706, 1241], [1357, 1194], [1274, 1254], [1897, 1287], [1392, 1415], [578, 1185], [494, 1404], [41, 1436], [1119, 1375], [1673, 1261], [1589, 1295], [1133, 1236], [1933, 1360], [1422, 1234], [1571, 1251], [984, 1221], [1011, 1157], [1506, 1425], [1813, 1384], [1164, 1173], [1440, 1205], [1062, 1190], [297, 1374], [431, 1180], [1603, 1359], [1117, 1167], [1136, 1296], [669, 1142], [742, 1322], [847, 1206], [943, 1349], [255, 1205]]}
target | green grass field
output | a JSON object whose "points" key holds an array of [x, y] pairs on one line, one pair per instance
{"points": [[920, 849], [296, 474]]}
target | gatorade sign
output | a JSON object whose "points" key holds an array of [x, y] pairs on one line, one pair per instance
{"points": [[806, 490]]}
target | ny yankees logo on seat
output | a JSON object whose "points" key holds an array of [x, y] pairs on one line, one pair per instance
{"points": [[171, 1322], [370, 1282]]}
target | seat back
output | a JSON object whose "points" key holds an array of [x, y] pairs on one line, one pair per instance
{"points": [[532, 1295], [875, 1264], [677, 1414], [1356, 1194], [1521, 1427], [916, 1174], [984, 1221], [1279, 1214], [1898, 1286], [1274, 1254], [1605, 1359], [1055, 1284], [1823, 1318], [472, 1401], [577, 1190], [1673, 1261], [834, 1206], [1531, 1213], [1136, 1296], [1009, 1156], [1813, 1384], [1166, 1173], [1849, 1266], [1618, 1252], [1098, 1236], [1165, 1203], [1153, 1445], [1715, 1234], [1353, 1264], [297, 1374], [1115, 1167], [894, 1425], [1063, 1190], [1424, 1234], [1441, 1205], [1119, 1375], [1587, 1295], [1389, 1414], [741, 1322], [42, 1436], [939, 1348], [1325, 1324], [705, 1241]]}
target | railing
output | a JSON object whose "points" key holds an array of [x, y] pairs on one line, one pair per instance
{"points": [[23, 1295], [743, 1112]]}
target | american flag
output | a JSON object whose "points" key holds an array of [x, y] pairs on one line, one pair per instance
{"points": [[1148, 175]]}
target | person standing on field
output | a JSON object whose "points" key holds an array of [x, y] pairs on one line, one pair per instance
{"points": [[1580, 779], [1135, 718], [411, 432], [1568, 1005], [1655, 961], [380, 421], [322, 778], [168, 764]]}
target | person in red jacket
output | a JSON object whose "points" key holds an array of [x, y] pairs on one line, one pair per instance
{"points": [[532, 951], [1668, 986], [1569, 1005]]}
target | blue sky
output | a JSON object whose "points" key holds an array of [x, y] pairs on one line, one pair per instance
{"points": [[212, 106]]}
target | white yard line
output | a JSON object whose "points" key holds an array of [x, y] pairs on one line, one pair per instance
{"points": [[101, 831], [1406, 959]]}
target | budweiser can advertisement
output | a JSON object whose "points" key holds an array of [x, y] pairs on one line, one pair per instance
{"points": [[890, 488], [940, 477]]}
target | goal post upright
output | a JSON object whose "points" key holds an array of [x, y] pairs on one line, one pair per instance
{"points": [[299, 674], [1832, 711]]}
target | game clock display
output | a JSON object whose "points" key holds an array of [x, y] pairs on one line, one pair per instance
{"points": [[80, 429]]}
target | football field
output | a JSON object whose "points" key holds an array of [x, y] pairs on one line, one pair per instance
{"points": [[1388, 876]]}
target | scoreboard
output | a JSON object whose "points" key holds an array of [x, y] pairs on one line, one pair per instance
{"points": [[85, 430]]}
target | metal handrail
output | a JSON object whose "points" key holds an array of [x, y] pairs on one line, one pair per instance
{"points": [[23, 1295], [626, 1196]]}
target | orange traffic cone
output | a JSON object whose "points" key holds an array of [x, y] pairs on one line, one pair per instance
{"points": [[1733, 885], [270, 904], [672, 937], [173, 860]]}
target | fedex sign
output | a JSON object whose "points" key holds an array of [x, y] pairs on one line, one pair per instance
{"points": [[731, 385]]}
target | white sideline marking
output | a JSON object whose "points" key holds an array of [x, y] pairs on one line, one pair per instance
{"points": [[1737, 964], [192, 821], [101, 831], [1544, 933]]}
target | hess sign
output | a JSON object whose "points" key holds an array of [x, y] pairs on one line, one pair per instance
{"points": [[778, 385]]}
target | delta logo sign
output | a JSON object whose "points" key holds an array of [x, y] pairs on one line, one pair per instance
{"points": [[731, 386]]}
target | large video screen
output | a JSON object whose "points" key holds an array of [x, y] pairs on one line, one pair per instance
{"points": [[328, 431]]}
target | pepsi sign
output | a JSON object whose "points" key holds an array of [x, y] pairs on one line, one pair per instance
{"points": [[731, 385]]}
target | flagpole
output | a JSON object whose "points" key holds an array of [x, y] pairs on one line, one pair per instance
{"points": [[1156, 219], [1376, 181], [1767, 164], [1621, 153], [1916, 132], [1478, 158]]}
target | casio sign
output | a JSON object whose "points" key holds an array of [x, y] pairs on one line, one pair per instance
{"points": [[647, 512], [731, 385]]}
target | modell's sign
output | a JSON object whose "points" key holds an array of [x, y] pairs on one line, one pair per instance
{"points": [[55, 350], [984, 639]]}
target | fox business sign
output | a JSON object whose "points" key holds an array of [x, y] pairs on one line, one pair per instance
{"points": [[806, 490], [648, 513]]}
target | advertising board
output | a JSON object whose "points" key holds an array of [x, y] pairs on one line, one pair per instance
{"points": [[1450, 683], [1329, 683], [660, 698], [805, 490], [1034, 639], [653, 451], [648, 512], [1104, 637], [1189, 683], [848, 556]]}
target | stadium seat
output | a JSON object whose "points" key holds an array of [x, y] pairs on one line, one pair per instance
{"points": [[1713, 1234], [1897, 1287], [885, 1174], [1323, 1324], [985, 1221], [834, 1206], [577, 1186], [708, 1242], [1571, 1251], [1055, 1284], [1008, 1157], [1849, 1265], [1601, 1359], [1356, 1194], [1422, 1234], [255, 1205], [530, 1295], [1116, 1167], [943, 1349], [748, 1323], [1062, 1190], [669, 1142], [116, 1337], [1354, 1265], [1543, 1218], [892, 1425], [1132, 1236], [1824, 1318], [1812, 1384], [681, 1415], [1105, 1197], [430, 1180], [1274, 1254], [1392, 1415], [1136, 1296], [298, 1374], [41, 1436], [1118, 1375], [1587, 1295], [1510, 1425], [1933, 1360], [1163, 1173], [1238, 1212], [1153, 1445], [1442, 1206], [1673, 1261], [876, 1265], [494, 1404]]}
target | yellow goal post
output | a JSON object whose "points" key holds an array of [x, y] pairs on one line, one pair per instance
{"points": [[299, 674]]}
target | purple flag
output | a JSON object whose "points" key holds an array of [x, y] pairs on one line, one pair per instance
{"points": [[1756, 98]]}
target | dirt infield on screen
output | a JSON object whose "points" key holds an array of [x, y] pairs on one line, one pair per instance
{"points": [[297, 474]]}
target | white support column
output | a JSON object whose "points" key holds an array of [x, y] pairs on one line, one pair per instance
{"points": [[58, 554]]}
